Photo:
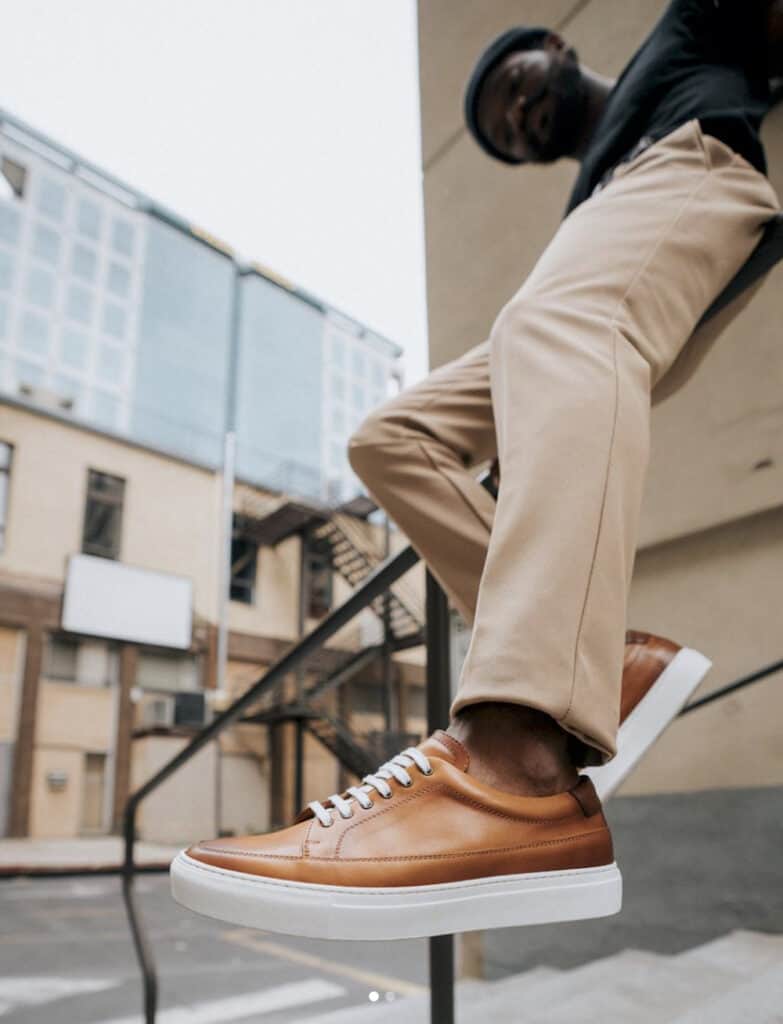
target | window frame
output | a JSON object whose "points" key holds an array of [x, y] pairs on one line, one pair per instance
{"points": [[105, 499]]}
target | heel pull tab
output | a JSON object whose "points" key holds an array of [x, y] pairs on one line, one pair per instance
{"points": [[585, 795]]}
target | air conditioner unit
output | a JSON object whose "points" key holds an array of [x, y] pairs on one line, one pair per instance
{"points": [[190, 709], [158, 711]]}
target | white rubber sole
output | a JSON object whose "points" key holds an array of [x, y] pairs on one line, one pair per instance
{"points": [[396, 912], [665, 699]]}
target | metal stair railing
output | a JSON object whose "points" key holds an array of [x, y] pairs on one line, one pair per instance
{"points": [[354, 564]]}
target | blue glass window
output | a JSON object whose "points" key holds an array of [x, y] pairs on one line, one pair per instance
{"points": [[114, 320], [111, 364], [122, 237], [78, 305], [6, 270], [88, 219], [84, 262], [118, 280], [9, 224], [51, 199], [46, 244], [74, 349], [40, 287], [34, 336], [105, 408]]}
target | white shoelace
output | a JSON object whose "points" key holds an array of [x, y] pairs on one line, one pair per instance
{"points": [[392, 769]]}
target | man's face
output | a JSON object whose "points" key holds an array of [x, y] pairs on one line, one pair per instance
{"points": [[531, 104]]}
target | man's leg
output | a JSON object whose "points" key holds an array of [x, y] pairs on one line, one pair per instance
{"points": [[417, 456], [573, 358]]}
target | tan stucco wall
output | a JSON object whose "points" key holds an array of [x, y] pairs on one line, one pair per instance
{"points": [[170, 513], [82, 717], [56, 813], [485, 227], [722, 592], [170, 523]]}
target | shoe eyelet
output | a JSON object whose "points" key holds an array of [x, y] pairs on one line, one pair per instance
{"points": [[387, 796], [369, 806], [430, 772], [407, 785]]}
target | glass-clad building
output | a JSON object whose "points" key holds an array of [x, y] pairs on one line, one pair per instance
{"points": [[119, 314]]}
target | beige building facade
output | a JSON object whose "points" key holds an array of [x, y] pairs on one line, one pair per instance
{"points": [[710, 564], [84, 719]]}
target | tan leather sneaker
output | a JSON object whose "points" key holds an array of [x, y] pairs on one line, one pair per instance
{"points": [[659, 676], [420, 848]]}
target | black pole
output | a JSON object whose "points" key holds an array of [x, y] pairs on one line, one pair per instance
{"points": [[438, 704]]}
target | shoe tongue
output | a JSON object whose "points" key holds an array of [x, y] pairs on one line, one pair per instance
{"points": [[441, 744]]}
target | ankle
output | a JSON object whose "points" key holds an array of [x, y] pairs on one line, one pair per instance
{"points": [[515, 748]]}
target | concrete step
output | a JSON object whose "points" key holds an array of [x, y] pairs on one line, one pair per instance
{"points": [[758, 1000], [704, 985], [471, 998], [646, 988], [746, 953]]}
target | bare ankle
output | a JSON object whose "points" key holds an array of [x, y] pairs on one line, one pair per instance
{"points": [[515, 748]]}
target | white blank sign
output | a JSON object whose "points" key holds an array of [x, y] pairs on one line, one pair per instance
{"points": [[106, 598]]}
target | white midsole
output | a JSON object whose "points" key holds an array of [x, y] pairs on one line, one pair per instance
{"points": [[665, 699], [395, 912]]}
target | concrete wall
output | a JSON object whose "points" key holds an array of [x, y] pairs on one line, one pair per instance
{"points": [[717, 458]]}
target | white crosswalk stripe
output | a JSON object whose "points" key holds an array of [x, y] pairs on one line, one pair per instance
{"points": [[252, 1004], [36, 990]]}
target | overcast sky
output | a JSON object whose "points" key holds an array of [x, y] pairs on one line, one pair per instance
{"points": [[289, 128]]}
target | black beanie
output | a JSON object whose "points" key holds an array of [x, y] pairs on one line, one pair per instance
{"points": [[521, 38]]}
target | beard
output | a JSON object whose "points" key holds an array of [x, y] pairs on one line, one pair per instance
{"points": [[565, 84]]}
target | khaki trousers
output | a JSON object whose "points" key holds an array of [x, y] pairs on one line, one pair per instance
{"points": [[561, 392]]}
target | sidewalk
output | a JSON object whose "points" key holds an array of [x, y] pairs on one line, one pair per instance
{"points": [[77, 856]]}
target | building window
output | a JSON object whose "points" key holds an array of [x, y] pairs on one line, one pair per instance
{"points": [[6, 270], [51, 199], [14, 177], [167, 672], [9, 225], [118, 280], [73, 350], [88, 219], [78, 305], [34, 336], [40, 287], [84, 262], [319, 576], [61, 658], [122, 237], [46, 244], [69, 659], [6, 453], [103, 515], [244, 562]]}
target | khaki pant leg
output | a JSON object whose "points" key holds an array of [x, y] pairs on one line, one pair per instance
{"points": [[573, 358], [417, 455]]}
